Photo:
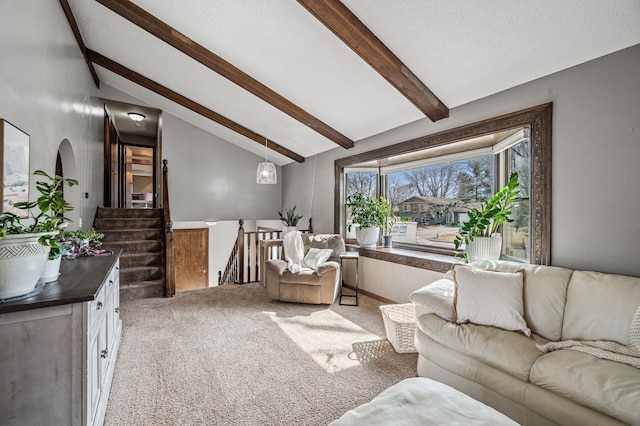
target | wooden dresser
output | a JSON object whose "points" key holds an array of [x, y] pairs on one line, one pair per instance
{"points": [[58, 349]]}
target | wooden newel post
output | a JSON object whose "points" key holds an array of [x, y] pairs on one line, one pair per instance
{"points": [[240, 244], [169, 260]]}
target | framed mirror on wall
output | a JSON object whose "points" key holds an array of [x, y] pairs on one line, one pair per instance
{"points": [[14, 167]]}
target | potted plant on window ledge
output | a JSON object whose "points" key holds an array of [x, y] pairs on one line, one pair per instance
{"points": [[368, 214], [25, 247], [479, 233]]}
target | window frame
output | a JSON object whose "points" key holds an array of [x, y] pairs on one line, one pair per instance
{"points": [[539, 121]]}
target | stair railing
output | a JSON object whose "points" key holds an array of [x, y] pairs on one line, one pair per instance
{"points": [[168, 279], [243, 265]]}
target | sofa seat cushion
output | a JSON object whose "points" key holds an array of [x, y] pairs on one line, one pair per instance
{"points": [[306, 276], [508, 351], [606, 386]]}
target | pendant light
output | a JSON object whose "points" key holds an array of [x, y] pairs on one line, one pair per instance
{"points": [[266, 173]]}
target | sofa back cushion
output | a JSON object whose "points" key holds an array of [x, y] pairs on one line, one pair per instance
{"points": [[324, 241], [600, 306], [545, 294]]}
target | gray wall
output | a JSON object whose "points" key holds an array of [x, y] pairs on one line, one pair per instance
{"points": [[46, 91], [596, 157]]}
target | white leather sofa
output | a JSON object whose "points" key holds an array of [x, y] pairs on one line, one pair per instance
{"points": [[507, 370]]}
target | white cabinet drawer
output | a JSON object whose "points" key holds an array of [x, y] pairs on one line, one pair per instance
{"points": [[97, 307]]}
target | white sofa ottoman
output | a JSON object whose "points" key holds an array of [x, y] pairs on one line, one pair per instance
{"points": [[422, 401]]}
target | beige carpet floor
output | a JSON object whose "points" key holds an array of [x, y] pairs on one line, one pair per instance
{"points": [[230, 356]]}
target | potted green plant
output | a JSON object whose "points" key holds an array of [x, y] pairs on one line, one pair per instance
{"points": [[388, 226], [479, 233], [26, 246], [290, 220], [368, 214]]}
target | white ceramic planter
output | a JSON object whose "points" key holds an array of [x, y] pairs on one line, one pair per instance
{"points": [[22, 259], [484, 248], [367, 237], [51, 270], [287, 229]]}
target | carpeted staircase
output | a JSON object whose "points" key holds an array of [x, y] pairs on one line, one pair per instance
{"points": [[138, 232]]}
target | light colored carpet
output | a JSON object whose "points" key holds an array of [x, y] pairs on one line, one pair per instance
{"points": [[229, 356]]}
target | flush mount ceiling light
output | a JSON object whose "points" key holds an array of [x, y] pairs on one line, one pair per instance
{"points": [[266, 173], [135, 116]]}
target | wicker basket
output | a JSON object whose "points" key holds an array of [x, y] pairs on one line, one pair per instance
{"points": [[400, 326]]}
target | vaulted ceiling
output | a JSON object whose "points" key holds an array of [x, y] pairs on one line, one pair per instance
{"points": [[312, 75]]}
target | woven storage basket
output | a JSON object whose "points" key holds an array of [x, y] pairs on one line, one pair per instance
{"points": [[400, 326]]}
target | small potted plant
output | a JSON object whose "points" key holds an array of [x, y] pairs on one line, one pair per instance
{"points": [[31, 242], [290, 220], [480, 232], [82, 243], [368, 214], [388, 226]]}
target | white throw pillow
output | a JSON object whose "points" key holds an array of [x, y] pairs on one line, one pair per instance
{"points": [[315, 257], [490, 298], [437, 297]]}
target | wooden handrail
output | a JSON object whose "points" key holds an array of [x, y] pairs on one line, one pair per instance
{"points": [[169, 281]]}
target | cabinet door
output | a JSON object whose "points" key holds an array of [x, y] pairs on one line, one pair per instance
{"points": [[192, 258], [94, 374]]}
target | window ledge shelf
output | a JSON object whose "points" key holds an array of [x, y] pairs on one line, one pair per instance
{"points": [[417, 259]]}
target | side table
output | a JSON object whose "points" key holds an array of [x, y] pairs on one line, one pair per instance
{"points": [[349, 255]]}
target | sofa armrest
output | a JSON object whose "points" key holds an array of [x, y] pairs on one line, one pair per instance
{"points": [[276, 265], [437, 297], [325, 267]]}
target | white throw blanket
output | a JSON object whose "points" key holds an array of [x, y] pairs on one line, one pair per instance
{"points": [[293, 251], [604, 349]]}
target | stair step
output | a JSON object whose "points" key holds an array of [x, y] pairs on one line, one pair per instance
{"points": [[140, 273], [132, 234], [141, 290], [108, 224], [109, 212], [132, 247], [131, 260]]}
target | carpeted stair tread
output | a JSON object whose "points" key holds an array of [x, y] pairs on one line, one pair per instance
{"points": [[109, 212], [140, 273], [128, 260], [141, 289], [105, 224], [138, 246], [132, 234]]}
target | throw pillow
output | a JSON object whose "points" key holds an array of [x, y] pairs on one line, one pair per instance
{"points": [[490, 298], [315, 257], [437, 297]]}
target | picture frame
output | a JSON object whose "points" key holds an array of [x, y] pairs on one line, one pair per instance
{"points": [[14, 167]]}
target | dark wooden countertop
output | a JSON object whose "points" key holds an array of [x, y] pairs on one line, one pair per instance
{"points": [[80, 280], [417, 259]]}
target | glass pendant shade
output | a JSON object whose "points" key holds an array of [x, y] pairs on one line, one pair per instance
{"points": [[266, 173]]}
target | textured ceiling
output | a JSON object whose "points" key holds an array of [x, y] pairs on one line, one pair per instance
{"points": [[462, 50]]}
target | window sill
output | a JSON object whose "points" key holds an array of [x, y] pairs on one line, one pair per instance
{"points": [[417, 259]]}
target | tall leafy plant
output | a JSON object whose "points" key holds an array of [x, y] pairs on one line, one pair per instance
{"points": [[484, 222], [45, 214], [290, 218], [367, 211]]}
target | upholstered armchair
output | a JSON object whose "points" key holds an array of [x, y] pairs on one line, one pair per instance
{"points": [[308, 285]]}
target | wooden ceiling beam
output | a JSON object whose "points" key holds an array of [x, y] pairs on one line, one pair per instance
{"points": [[189, 47], [187, 103], [344, 24], [76, 33]]}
